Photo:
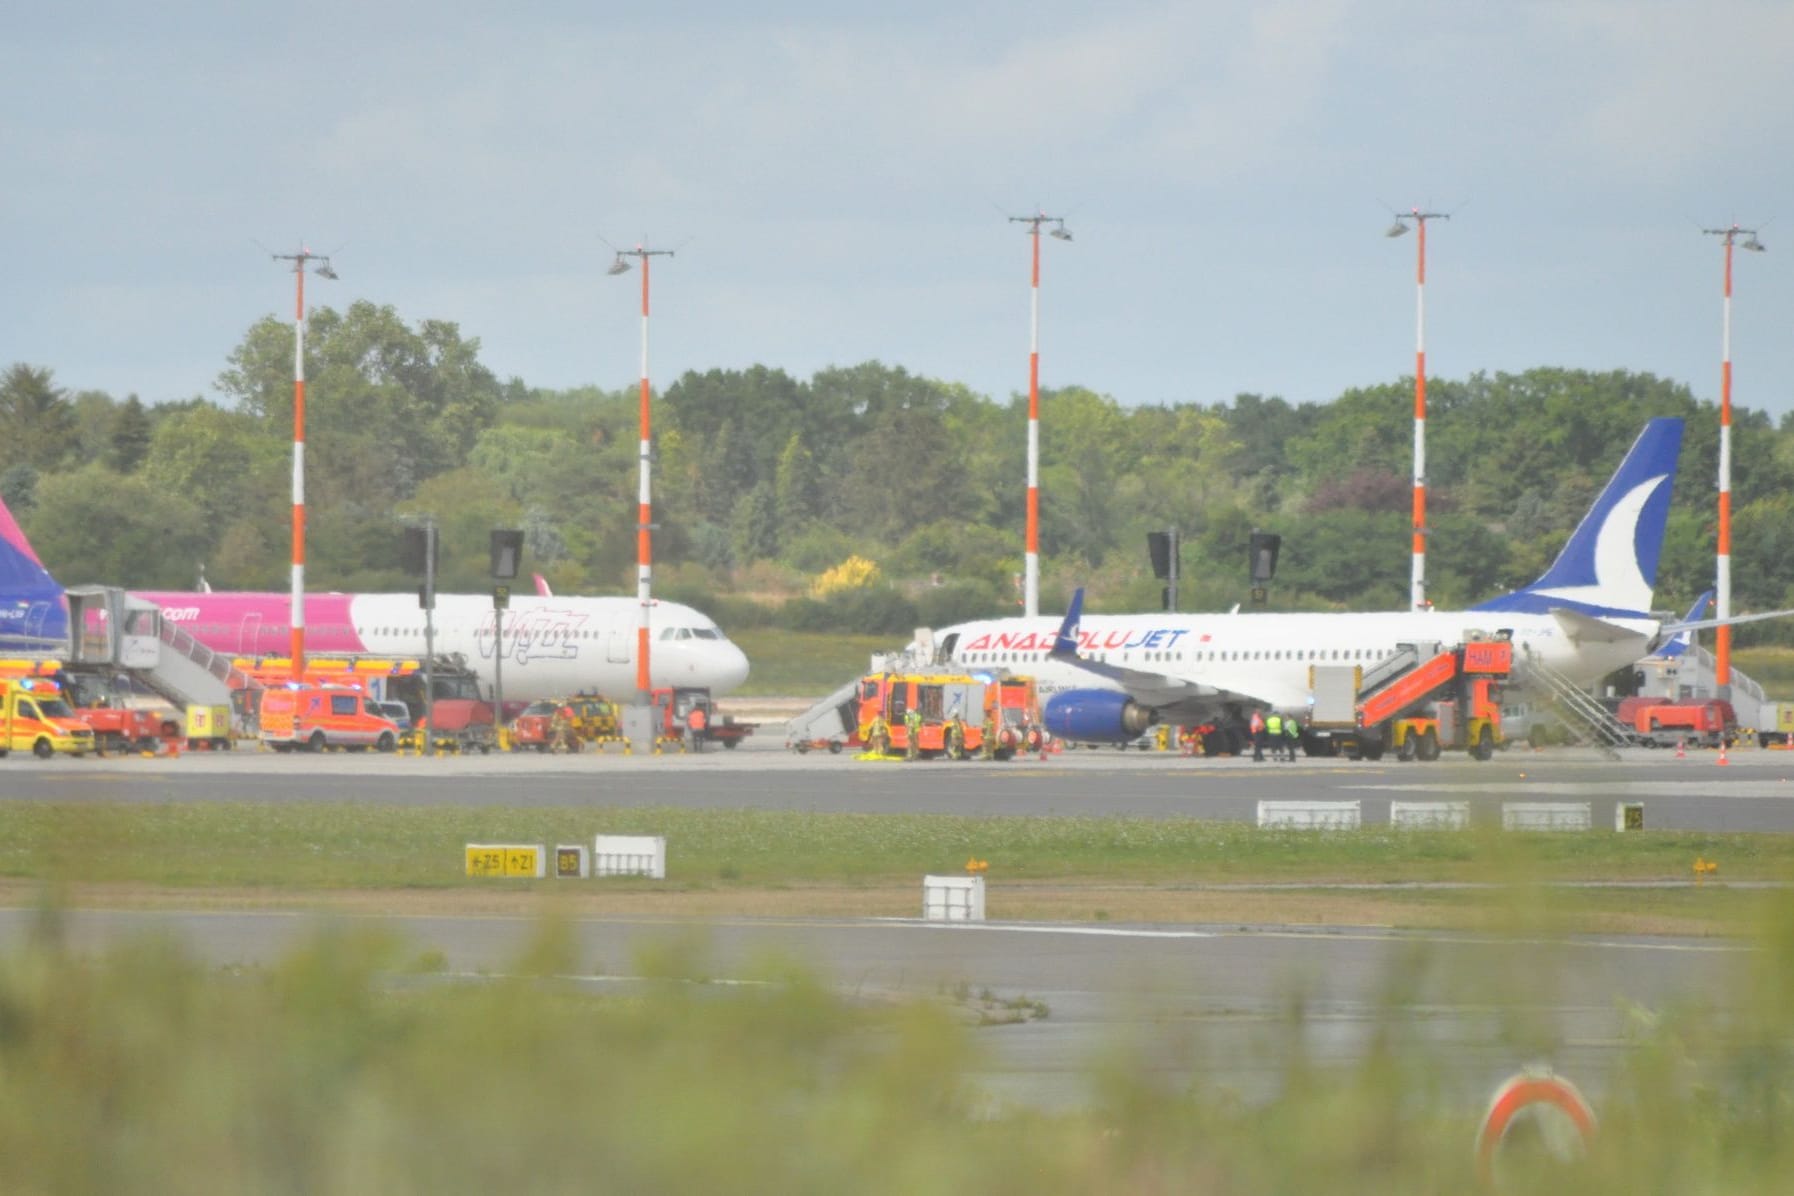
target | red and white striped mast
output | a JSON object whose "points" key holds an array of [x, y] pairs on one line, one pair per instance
{"points": [[1722, 635], [1417, 576], [297, 618], [644, 526], [1031, 544]]}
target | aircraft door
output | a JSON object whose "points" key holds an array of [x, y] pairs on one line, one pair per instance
{"points": [[140, 638], [618, 647], [249, 632]]}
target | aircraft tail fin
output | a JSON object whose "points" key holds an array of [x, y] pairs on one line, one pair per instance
{"points": [[1609, 566], [32, 609], [1684, 639], [1065, 640]]}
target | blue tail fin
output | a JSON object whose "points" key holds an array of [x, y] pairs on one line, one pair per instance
{"points": [[1610, 564], [1680, 643], [33, 614], [1065, 640]]}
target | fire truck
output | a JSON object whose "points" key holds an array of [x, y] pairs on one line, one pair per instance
{"points": [[958, 712]]}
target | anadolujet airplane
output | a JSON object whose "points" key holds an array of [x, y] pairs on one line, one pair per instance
{"points": [[1107, 678], [552, 646]]}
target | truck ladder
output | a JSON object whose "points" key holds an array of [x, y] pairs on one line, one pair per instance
{"points": [[1574, 707]]}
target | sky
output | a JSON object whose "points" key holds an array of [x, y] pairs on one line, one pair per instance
{"points": [[836, 182]]}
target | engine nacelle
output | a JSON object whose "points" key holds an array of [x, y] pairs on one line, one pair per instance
{"points": [[1097, 716]]}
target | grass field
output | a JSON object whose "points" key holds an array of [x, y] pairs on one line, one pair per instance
{"points": [[1772, 668], [724, 862], [346, 1067], [801, 664]]}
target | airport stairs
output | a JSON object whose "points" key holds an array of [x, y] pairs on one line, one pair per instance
{"points": [[188, 673], [832, 720], [1574, 707]]}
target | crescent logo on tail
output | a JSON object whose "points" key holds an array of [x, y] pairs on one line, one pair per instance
{"points": [[1619, 582]]}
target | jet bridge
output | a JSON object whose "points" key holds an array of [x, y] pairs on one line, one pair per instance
{"points": [[111, 629]]}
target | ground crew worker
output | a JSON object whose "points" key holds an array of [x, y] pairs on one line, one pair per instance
{"points": [[1257, 727], [878, 735], [988, 750], [695, 724], [1292, 735], [561, 731], [1273, 734], [912, 723]]}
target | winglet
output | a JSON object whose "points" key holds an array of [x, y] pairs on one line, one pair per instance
{"points": [[1065, 641], [542, 590], [1680, 643]]}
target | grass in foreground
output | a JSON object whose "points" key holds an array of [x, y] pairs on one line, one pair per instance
{"points": [[144, 1071]]}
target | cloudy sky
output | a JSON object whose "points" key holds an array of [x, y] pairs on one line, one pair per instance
{"points": [[836, 181]]}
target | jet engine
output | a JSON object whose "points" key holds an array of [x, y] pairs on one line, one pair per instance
{"points": [[1097, 716]]}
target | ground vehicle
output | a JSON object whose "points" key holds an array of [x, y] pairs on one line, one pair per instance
{"points": [[567, 723], [674, 709], [314, 717], [1423, 698], [958, 713], [1660, 722], [398, 712], [103, 704], [34, 718]]}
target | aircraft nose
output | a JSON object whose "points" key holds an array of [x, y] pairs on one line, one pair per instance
{"points": [[732, 671]]}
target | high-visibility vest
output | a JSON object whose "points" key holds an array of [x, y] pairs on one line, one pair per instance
{"points": [[1274, 724]]}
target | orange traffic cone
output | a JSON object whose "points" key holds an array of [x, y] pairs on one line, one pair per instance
{"points": [[1722, 758], [1681, 749]]}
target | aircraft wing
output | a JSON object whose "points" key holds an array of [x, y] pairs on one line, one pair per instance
{"points": [[1158, 690], [1589, 629], [1706, 624]]}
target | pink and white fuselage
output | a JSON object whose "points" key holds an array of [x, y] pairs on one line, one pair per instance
{"points": [[552, 646]]}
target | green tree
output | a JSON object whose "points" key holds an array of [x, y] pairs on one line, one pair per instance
{"points": [[37, 421], [96, 526], [128, 439], [754, 527]]}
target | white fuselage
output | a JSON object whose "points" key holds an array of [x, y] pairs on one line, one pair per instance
{"points": [[1268, 656], [552, 646]]}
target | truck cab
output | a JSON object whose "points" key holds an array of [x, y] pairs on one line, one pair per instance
{"points": [[35, 719]]}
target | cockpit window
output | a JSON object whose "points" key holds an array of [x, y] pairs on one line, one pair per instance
{"points": [[667, 633], [707, 633]]}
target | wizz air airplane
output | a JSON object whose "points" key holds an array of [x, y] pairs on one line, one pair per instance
{"points": [[552, 646], [1106, 678]]}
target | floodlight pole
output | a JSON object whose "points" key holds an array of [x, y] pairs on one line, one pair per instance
{"points": [[1417, 575], [297, 618], [1031, 543], [644, 526], [1722, 635]]}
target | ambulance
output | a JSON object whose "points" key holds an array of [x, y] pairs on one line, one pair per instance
{"points": [[35, 719], [315, 717]]}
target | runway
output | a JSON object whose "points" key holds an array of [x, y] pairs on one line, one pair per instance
{"points": [[1754, 791], [1190, 1003]]}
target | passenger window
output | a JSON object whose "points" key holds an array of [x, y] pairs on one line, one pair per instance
{"points": [[342, 704]]}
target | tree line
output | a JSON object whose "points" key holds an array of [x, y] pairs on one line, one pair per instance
{"points": [[764, 480]]}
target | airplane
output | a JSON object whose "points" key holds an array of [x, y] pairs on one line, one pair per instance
{"points": [[553, 646], [1107, 678]]}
